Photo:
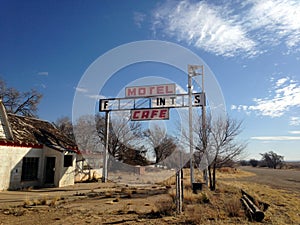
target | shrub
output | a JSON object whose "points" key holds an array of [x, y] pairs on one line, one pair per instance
{"points": [[166, 208], [233, 207], [253, 162]]}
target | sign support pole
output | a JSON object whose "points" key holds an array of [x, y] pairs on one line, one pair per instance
{"points": [[105, 156], [191, 141], [204, 132], [191, 73]]}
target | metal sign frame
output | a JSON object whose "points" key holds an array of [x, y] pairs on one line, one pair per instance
{"points": [[159, 93], [179, 101]]}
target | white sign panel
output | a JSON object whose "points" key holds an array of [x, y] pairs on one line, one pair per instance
{"points": [[166, 101], [151, 90], [149, 114], [104, 106], [178, 101]]}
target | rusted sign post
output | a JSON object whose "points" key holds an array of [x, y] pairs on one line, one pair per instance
{"points": [[105, 155]]}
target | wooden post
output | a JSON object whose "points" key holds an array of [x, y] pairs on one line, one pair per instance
{"points": [[179, 191], [179, 186]]}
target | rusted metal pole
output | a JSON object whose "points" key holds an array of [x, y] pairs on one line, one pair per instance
{"points": [[191, 72], [105, 156]]}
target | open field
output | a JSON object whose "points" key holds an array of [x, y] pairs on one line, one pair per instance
{"points": [[110, 203], [276, 178]]}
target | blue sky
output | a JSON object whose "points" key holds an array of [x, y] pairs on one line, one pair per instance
{"points": [[252, 47]]}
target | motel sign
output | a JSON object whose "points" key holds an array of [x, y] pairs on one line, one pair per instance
{"points": [[151, 102], [151, 90]]}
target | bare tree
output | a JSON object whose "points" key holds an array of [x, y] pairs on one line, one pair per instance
{"points": [[87, 138], [218, 140], [65, 125], [89, 130], [163, 145], [124, 139], [22, 103]]}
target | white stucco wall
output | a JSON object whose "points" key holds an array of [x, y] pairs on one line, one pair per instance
{"points": [[64, 176], [11, 166], [68, 173]]}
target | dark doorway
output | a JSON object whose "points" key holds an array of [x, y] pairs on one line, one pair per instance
{"points": [[50, 170]]}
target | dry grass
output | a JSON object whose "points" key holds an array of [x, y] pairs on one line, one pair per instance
{"points": [[206, 207], [225, 207], [125, 209], [284, 206], [127, 192], [233, 207], [55, 201], [191, 198], [169, 182], [43, 201], [166, 208], [228, 172]]}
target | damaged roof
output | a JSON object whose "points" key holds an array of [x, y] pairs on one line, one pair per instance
{"points": [[28, 130]]}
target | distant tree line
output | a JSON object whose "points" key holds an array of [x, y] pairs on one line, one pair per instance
{"points": [[268, 159]]}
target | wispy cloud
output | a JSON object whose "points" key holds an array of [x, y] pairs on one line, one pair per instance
{"points": [[281, 81], [97, 97], [138, 18], [214, 32], [44, 73], [276, 138], [275, 21], [236, 28], [82, 90], [294, 132], [284, 96], [295, 121], [85, 92]]}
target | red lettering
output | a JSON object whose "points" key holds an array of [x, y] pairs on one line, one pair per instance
{"points": [[131, 92], [160, 89], [142, 91], [148, 114], [151, 90], [154, 113], [163, 113], [169, 91], [136, 114], [145, 114]]}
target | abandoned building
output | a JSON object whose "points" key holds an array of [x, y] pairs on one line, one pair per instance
{"points": [[34, 153]]}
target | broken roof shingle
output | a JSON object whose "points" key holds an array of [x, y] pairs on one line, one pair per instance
{"points": [[28, 130]]}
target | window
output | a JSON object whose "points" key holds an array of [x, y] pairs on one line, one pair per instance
{"points": [[68, 160], [30, 168]]}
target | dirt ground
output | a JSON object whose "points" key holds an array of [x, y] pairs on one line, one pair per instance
{"points": [[87, 203], [114, 203]]}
